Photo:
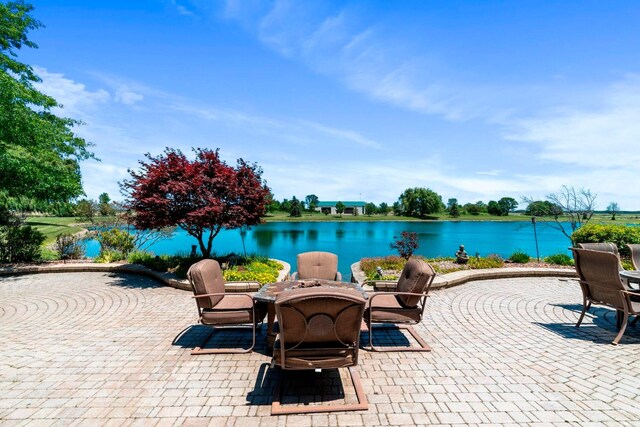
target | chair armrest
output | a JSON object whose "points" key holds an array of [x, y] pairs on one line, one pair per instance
{"points": [[338, 276], [223, 294], [255, 282], [385, 282], [294, 275], [375, 294]]}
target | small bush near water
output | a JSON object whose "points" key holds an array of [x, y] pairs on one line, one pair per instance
{"points": [[490, 261], [559, 259], [68, 246], [620, 235], [520, 257]]}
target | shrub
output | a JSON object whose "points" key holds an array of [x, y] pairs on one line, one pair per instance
{"points": [[559, 259], [620, 235], [491, 261], [407, 244], [110, 255], [20, 243], [254, 271], [117, 240], [369, 265], [520, 257], [69, 246]]}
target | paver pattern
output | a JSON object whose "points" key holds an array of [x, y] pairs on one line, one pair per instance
{"points": [[101, 349]]}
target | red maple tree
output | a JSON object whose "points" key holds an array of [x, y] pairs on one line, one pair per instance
{"points": [[202, 196]]}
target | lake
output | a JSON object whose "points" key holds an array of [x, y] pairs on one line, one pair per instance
{"points": [[354, 240]]}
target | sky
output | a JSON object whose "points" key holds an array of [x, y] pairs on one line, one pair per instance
{"points": [[357, 100]]}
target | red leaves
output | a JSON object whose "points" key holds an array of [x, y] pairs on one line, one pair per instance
{"points": [[204, 194]]}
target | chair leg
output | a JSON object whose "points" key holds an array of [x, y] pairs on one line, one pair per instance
{"points": [[623, 327], [362, 405], [423, 345], [199, 350], [585, 306]]}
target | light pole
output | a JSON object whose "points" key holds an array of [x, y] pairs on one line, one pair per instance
{"points": [[535, 235]]}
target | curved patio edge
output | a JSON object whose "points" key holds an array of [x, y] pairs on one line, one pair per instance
{"points": [[168, 279], [463, 276]]}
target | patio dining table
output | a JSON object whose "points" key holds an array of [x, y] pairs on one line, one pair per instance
{"points": [[269, 292], [631, 276]]}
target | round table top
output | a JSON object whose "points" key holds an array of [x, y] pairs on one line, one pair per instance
{"points": [[270, 291], [630, 274]]}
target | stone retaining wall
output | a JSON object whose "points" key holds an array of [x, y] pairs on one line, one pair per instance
{"points": [[168, 279]]}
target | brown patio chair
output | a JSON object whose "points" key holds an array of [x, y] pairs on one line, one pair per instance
{"points": [[601, 285], [319, 329], [317, 265], [404, 306], [219, 309], [635, 255]]}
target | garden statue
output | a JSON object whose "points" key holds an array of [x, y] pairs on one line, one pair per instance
{"points": [[461, 255]]}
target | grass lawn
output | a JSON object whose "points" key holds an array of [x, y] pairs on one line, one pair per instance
{"points": [[52, 226]]}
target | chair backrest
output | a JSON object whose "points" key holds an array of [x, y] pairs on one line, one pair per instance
{"points": [[322, 321], [604, 247], [599, 276], [317, 265], [416, 277], [206, 278], [635, 255]]}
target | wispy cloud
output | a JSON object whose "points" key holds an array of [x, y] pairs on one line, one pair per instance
{"points": [[603, 136], [75, 97]]}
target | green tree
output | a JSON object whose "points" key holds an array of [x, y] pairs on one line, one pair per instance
{"points": [[453, 207], [493, 208], [420, 202], [39, 153], [285, 206], [86, 210], [104, 205], [384, 209], [340, 208], [507, 204], [542, 208], [311, 201], [296, 208], [370, 209], [613, 209]]}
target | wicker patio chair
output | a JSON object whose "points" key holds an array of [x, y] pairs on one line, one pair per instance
{"points": [[601, 285], [604, 247], [635, 255], [319, 329], [219, 309], [317, 265], [403, 307]]}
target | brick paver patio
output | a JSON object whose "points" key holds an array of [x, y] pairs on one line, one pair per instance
{"points": [[95, 349]]}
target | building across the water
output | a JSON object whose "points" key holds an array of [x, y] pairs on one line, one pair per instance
{"points": [[350, 208]]}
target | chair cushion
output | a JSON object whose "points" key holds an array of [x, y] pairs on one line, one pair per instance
{"points": [[205, 277], [312, 358], [414, 278], [387, 309], [233, 310]]}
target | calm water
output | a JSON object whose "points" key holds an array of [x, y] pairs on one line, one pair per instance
{"points": [[355, 240]]}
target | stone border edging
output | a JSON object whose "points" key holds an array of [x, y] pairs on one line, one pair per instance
{"points": [[463, 276], [168, 279]]}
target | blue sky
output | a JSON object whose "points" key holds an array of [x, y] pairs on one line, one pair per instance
{"points": [[358, 99]]}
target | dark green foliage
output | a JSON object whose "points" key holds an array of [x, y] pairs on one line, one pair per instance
{"points": [[520, 257], [20, 243], [39, 153], [370, 209], [340, 208], [69, 246], [620, 235], [86, 210], [419, 202], [384, 209], [542, 208], [296, 208], [559, 259], [311, 201], [116, 239]]}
